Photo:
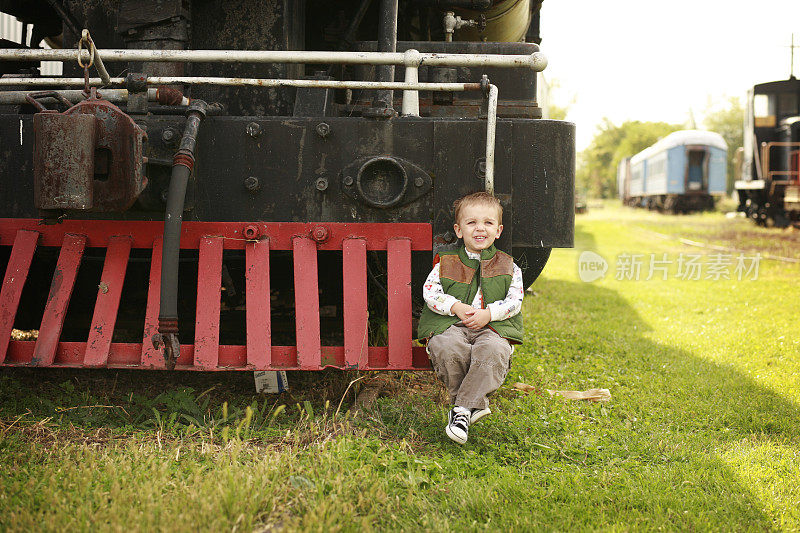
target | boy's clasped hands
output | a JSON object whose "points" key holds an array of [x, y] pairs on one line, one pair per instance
{"points": [[471, 317]]}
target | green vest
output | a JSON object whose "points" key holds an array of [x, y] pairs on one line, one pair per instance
{"points": [[462, 277]]}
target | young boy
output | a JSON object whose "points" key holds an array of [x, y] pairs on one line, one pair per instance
{"points": [[473, 296]]}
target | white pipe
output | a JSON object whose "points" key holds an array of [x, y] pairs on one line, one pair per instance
{"points": [[491, 126], [411, 98], [535, 61], [254, 82]]}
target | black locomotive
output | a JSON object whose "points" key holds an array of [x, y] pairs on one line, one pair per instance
{"points": [[769, 185], [271, 140]]}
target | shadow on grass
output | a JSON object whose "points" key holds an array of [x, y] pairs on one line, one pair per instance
{"points": [[650, 458], [584, 240], [126, 399]]}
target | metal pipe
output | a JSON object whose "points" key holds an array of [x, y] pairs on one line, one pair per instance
{"points": [[182, 165], [162, 95], [65, 16], [252, 82], [387, 42], [350, 35], [535, 61], [491, 126], [74, 96]]}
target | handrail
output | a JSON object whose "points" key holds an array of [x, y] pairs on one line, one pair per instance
{"points": [[411, 58], [766, 149]]}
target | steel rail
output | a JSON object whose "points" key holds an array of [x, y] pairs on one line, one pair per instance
{"points": [[535, 61]]}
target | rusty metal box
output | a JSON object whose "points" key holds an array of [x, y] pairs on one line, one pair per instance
{"points": [[63, 160]]}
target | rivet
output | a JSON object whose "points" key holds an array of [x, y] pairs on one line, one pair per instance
{"points": [[323, 129], [253, 129], [252, 184]]}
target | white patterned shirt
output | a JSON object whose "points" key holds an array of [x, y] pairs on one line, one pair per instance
{"points": [[442, 303]]}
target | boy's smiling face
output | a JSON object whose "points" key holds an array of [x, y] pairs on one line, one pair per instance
{"points": [[479, 225]]}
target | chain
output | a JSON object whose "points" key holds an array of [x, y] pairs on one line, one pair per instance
{"points": [[85, 38], [86, 88]]}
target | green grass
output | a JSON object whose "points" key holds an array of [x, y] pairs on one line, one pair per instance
{"points": [[702, 433]]}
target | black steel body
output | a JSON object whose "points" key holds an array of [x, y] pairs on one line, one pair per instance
{"points": [[307, 154], [288, 158]]}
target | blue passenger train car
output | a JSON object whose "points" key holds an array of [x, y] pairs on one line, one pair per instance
{"points": [[685, 171]]}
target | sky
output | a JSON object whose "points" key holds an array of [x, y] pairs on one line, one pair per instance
{"points": [[656, 61]]}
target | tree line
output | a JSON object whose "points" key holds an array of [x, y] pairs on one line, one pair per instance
{"points": [[597, 164]]}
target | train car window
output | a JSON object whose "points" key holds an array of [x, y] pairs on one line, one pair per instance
{"points": [[763, 111]]}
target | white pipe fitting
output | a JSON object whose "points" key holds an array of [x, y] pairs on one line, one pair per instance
{"points": [[412, 60]]}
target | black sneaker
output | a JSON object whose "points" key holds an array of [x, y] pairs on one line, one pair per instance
{"points": [[477, 414], [458, 424]]}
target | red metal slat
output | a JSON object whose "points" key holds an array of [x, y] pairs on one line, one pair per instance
{"points": [[209, 285], [306, 303], [151, 356], [399, 273], [259, 336], [356, 313], [106, 307], [58, 299], [16, 273]]}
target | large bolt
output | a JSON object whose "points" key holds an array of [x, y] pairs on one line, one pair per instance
{"points": [[348, 181], [322, 184], [323, 129], [252, 184], [253, 129], [320, 234], [419, 182], [169, 136], [250, 232]]}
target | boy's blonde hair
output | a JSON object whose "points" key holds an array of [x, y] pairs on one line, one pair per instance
{"points": [[478, 198]]}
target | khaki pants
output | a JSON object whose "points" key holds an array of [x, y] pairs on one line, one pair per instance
{"points": [[471, 363]]}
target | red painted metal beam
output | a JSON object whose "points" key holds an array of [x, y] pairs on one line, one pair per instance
{"points": [[16, 273], [209, 286], [398, 267], [280, 234], [257, 294], [58, 300], [106, 307], [306, 303], [127, 355]]}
